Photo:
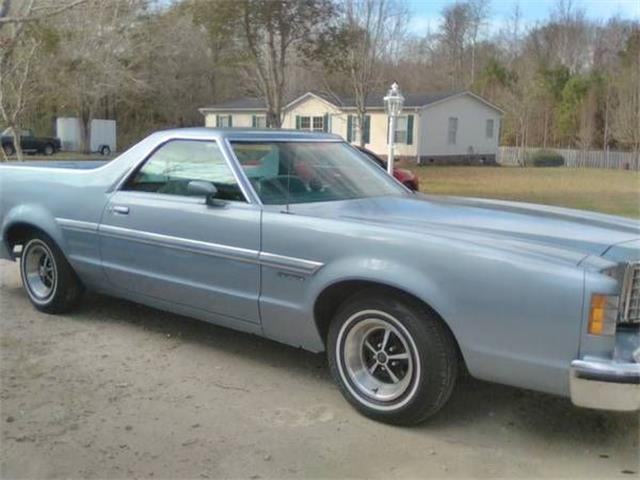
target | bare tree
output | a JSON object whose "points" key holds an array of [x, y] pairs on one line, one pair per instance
{"points": [[368, 36], [454, 31], [269, 33], [100, 58], [478, 13], [19, 45]]}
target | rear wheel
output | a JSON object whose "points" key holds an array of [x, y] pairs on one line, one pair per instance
{"points": [[49, 149], [47, 277], [393, 358]]}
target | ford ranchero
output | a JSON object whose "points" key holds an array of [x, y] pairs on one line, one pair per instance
{"points": [[298, 237]]}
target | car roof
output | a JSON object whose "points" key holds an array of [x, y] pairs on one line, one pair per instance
{"points": [[252, 134]]}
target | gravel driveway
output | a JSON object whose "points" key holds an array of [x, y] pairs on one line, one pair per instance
{"points": [[120, 390]]}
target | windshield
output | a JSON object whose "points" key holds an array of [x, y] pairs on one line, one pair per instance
{"points": [[302, 172]]}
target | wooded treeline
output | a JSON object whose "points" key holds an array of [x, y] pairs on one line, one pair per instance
{"points": [[566, 82]]}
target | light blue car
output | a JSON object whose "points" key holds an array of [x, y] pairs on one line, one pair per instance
{"points": [[298, 237]]}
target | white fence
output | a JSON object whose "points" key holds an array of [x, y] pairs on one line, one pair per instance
{"points": [[574, 158]]}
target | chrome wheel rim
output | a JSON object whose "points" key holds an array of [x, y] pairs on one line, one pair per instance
{"points": [[39, 271], [378, 360]]}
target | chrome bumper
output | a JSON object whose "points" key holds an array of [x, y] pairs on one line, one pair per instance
{"points": [[605, 384]]}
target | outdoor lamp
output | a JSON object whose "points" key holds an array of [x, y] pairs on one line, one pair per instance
{"points": [[393, 104]]}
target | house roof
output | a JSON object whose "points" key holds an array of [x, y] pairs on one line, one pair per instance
{"points": [[412, 100], [242, 103]]}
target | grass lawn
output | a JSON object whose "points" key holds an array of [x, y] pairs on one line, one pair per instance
{"points": [[608, 191]]}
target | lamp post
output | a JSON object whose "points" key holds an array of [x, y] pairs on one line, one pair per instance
{"points": [[393, 104]]}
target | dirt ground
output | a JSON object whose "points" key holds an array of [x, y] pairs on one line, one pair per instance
{"points": [[119, 390]]}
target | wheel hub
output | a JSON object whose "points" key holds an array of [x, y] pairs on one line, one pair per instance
{"points": [[39, 270], [378, 360]]}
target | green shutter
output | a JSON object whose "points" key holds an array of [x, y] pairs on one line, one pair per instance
{"points": [[254, 122], [297, 122], [218, 121], [349, 127], [367, 129], [410, 130], [325, 123], [230, 120]]}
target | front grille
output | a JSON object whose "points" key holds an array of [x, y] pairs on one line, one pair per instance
{"points": [[630, 300]]}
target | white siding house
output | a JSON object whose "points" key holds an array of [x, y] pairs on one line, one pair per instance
{"points": [[451, 127]]}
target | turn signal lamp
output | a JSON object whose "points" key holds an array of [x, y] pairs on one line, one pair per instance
{"points": [[603, 314]]}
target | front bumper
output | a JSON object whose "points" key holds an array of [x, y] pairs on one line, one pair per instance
{"points": [[606, 384]]}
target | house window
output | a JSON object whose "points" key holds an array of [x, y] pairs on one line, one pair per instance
{"points": [[453, 130], [259, 121], [318, 124], [401, 130], [305, 123], [354, 132], [489, 128], [224, 121], [311, 124]]}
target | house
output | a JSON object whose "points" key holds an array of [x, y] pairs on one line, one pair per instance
{"points": [[448, 127]]}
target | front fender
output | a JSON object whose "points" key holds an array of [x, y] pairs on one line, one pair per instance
{"points": [[404, 277]]}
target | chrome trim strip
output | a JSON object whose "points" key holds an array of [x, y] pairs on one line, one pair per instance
{"points": [[298, 265], [194, 246], [281, 262], [239, 173], [69, 224]]}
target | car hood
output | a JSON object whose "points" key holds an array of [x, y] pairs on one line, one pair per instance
{"points": [[552, 231]]}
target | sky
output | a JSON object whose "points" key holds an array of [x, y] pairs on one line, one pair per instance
{"points": [[426, 13]]}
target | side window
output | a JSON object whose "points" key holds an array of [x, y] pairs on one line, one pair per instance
{"points": [[489, 128], [170, 169], [453, 130]]}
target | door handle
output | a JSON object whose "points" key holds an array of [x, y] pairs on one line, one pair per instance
{"points": [[120, 210]]}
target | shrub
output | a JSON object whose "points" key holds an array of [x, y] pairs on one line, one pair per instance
{"points": [[544, 158]]}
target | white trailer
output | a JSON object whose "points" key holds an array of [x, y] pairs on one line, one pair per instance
{"points": [[102, 135]]}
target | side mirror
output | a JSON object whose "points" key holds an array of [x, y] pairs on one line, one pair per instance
{"points": [[200, 188]]}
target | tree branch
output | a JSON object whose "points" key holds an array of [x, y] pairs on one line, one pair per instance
{"points": [[34, 18]]}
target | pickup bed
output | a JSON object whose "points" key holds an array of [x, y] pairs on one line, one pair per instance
{"points": [[68, 164]]}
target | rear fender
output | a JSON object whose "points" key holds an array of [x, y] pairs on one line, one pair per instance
{"points": [[32, 215]]}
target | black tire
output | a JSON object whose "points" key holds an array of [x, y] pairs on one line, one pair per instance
{"points": [[105, 150], [59, 294], [49, 149], [8, 149], [427, 341]]}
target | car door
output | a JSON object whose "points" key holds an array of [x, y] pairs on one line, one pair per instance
{"points": [[160, 241], [27, 140]]}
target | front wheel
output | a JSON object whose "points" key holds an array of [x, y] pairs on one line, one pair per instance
{"points": [[393, 358], [47, 277], [8, 149]]}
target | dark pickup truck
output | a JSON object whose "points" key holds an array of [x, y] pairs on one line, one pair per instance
{"points": [[30, 143]]}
